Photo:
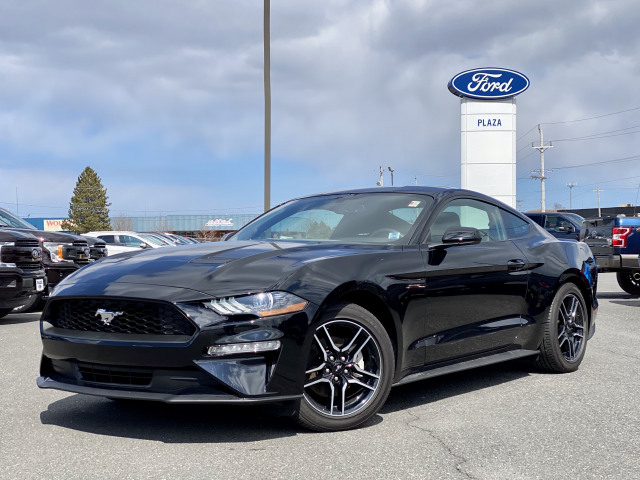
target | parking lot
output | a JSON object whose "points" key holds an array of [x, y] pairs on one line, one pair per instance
{"points": [[506, 421]]}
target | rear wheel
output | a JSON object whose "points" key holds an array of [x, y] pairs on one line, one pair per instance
{"points": [[564, 342], [349, 370], [629, 282]]}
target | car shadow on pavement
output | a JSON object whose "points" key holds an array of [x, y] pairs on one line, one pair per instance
{"points": [[18, 318], [614, 295], [167, 423], [435, 389], [231, 424]]}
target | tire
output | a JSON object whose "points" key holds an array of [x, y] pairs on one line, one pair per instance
{"points": [[349, 370], [31, 304], [564, 340], [5, 311], [629, 281]]}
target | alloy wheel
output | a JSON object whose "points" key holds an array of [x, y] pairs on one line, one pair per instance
{"points": [[571, 325], [344, 368]]}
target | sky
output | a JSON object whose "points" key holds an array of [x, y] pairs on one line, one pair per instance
{"points": [[164, 99]]}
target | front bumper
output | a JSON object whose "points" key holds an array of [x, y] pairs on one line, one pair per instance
{"points": [[177, 369], [17, 284]]}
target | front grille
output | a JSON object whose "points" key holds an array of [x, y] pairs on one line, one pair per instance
{"points": [[98, 251], [118, 316], [23, 242], [26, 254], [79, 252], [114, 375]]}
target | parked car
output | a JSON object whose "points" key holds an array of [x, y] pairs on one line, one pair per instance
{"points": [[125, 241], [322, 304], [615, 243], [562, 225], [62, 254], [21, 272]]}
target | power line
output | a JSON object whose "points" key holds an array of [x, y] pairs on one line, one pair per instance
{"points": [[578, 120], [592, 118], [617, 160]]}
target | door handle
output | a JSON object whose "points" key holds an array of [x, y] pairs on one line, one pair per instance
{"points": [[515, 265]]}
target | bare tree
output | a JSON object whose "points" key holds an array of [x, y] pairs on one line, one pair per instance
{"points": [[122, 223]]}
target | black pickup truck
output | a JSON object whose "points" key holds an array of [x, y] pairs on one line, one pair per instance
{"points": [[615, 243], [21, 272], [62, 254]]}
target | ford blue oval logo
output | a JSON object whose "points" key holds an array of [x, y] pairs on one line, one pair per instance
{"points": [[488, 83]]}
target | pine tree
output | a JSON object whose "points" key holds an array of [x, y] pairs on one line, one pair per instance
{"points": [[88, 209]]}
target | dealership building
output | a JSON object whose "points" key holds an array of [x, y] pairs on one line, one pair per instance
{"points": [[198, 226]]}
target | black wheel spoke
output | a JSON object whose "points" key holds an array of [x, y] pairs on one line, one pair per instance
{"points": [[365, 373], [327, 336]]}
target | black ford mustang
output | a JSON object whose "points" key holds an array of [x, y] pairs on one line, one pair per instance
{"points": [[322, 304]]}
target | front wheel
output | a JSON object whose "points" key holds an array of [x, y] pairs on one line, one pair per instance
{"points": [[629, 282], [564, 341], [5, 311], [349, 370], [30, 304]]}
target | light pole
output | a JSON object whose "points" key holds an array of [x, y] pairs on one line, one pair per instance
{"points": [[571, 185], [391, 170]]}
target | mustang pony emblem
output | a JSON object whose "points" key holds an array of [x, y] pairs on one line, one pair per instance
{"points": [[106, 316]]}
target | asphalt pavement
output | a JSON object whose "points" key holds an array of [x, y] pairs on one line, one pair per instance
{"points": [[506, 421]]}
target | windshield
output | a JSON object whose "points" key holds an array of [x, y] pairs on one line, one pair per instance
{"points": [[8, 219], [575, 217], [349, 218], [150, 239]]}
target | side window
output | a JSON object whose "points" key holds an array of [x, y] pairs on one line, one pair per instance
{"points": [[538, 219], [514, 226], [552, 222], [469, 213], [110, 239], [130, 241]]}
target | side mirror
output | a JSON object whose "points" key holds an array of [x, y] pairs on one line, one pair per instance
{"points": [[460, 236], [143, 245], [226, 236]]}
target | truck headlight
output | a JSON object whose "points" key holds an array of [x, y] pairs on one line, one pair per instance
{"points": [[2, 245], [56, 251]]}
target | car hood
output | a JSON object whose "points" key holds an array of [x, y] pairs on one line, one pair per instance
{"points": [[45, 236], [212, 269]]}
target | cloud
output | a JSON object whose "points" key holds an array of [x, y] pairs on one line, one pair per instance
{"points": [[164, 98]]}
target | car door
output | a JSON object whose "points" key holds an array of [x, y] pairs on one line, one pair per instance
{"points": [[476, 294]]}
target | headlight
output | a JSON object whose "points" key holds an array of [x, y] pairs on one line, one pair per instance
{"points": [[56, 251], [261, 304]]}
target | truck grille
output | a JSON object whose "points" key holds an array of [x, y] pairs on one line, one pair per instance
{"points": [[118, 316], [26, 254]]}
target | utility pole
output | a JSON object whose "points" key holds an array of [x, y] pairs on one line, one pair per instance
{"points": [[267, 102], [415, 181], [518, 203], [571, 185], [391, 170], [380, 183], [542, 172], [597, 190]]}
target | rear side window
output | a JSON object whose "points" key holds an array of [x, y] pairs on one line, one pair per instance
{"points": [[110, 239], [514, 226]]}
